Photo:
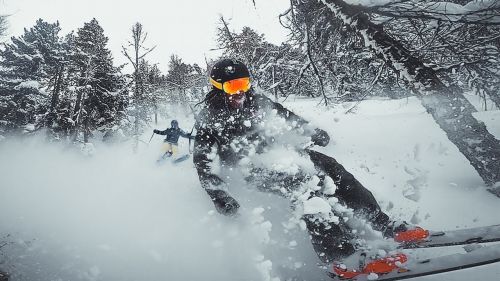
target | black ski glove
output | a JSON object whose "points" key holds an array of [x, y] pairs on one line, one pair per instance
{"points": [[155, 131], [320, 137], [224, 203]]}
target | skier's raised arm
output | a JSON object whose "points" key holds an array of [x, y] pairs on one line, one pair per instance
{"points": [[163, 133]]}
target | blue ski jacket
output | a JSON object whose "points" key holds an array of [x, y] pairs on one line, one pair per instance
{"points": [[173, 134]]}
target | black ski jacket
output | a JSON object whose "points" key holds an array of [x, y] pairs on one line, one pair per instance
{"points": [[173, 134], [220, 129], [228, 134]]}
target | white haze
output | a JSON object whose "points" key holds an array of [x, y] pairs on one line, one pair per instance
{"points": [[118, 216]]}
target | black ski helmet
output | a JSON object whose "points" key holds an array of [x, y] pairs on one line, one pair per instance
{"points": [[227, 69], [174, 124]]}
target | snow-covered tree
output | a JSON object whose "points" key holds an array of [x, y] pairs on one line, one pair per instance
{"points": [[3, 25], [101, 100], [183, 82], [141, 69], [279, 69], [32, 73], [458, 39], [53, 50], [199, 82], [247, 46], [444, 101], [154, 88], [335, 56]]}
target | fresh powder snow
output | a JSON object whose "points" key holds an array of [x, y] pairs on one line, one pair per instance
{"points": [[104, 213]]}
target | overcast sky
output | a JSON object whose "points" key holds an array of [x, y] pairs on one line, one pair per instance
{"points": [[182, 27]]}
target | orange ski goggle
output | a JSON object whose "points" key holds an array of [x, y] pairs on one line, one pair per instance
{"points": [[234, 86]]}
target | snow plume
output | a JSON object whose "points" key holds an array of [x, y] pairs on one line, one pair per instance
{"points": [[113, 215]]}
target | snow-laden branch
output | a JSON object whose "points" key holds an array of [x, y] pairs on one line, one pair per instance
{"points": [[483, 12]]}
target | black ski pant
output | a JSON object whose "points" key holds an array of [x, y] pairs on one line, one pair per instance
{"points": [[331, 241]]}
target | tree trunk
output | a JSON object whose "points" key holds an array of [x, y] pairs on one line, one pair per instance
{"points": [[447, 105], [494, 95], [156, 113], [57, 89], [86, 129], [274, 87], [76, 114], [138, 96], [136, 130], [55, 97]]}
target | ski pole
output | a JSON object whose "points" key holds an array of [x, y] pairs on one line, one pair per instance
{"points": [[151, 138], [190, 134], [194, 125]]}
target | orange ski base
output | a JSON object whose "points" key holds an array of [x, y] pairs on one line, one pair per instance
{"points": [[379, 266]]}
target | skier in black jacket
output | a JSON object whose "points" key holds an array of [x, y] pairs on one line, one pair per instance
{"points": [[170, 146], [236, 124]]}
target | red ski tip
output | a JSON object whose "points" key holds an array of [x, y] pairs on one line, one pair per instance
{"points": [[342, 272], [378, 266], [385, 265], [412, 235]]}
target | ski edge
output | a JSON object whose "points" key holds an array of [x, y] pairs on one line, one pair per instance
{"points": [[439, 271], [474, 240]]}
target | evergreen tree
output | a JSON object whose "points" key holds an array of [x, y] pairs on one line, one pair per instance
{"points": [[3, 25], [154, 88], [179, 80], [31, 75], [281, 69], [199, 82], [141, 68], [101, 99]]}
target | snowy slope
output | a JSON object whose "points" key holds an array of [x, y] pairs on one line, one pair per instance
{"points": [[398, 152], [118, 216]]}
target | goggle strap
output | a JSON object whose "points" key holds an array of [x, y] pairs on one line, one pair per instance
{"points": [[216, 84]]}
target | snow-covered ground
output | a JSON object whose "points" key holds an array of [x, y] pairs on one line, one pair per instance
{"points": [[119, 216]]}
